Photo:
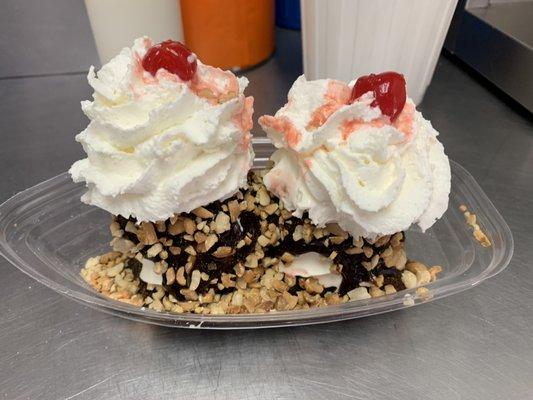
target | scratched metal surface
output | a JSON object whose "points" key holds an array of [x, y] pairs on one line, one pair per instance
{"points": [[475, 345]]}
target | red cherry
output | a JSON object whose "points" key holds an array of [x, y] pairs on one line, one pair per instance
{"points": [[388, 89], [172, 56]]}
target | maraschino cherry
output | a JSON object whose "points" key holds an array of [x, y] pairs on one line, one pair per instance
{"points": [[388, 89], [172, 56]]}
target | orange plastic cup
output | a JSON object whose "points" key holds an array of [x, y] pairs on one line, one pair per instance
{"points": [[229, 33]]}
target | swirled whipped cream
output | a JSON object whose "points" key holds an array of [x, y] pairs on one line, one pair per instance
{"points": [[157, 145], [348, 164]]}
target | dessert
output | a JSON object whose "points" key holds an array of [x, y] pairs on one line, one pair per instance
{"points": [[161, 142], [248, 254], [369, 162], [196, 230]]}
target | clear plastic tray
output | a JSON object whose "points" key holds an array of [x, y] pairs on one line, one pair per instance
{"points": [[47, 233]]}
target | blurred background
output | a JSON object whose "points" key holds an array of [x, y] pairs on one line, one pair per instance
{"points": [[340, 39]]}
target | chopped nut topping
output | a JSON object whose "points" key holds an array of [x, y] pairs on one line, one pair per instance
{"points": [[336, 230], [200, 237], [298, 233], [374, 261], [376, 292], [161, 226], [280, 286], [190, 226], [154, 250], [263, 197], [210, 241], [434, 271], [471, 220], [368, 251], [286, 302], [190, 250], [287, 257], [175, 250], [201, 225], [203, 213], [160, 267], [115, 230], [189, 294], [423, 293], [222, 222], [195, 280], [359, 293], [170, 276], [234, 210], [180, 276], [389, 289], [263, 240], [312, 286], [409, 279], [249, 277], [122, 245], [223, 251], [421, 272], [318, 233], [359, 242], [251, 261], [337, 239], [146, 233], [481, 238], [115, 270], [130, 227], [271, 208], [382, 241], [239, 269], [354, 250], [177, 227], [226, 281], [396, 239], [397, 259]]}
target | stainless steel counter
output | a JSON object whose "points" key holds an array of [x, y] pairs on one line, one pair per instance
{"points": [[474, 345]]}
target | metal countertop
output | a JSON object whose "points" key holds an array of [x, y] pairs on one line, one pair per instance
{"points": [[474, 345]]}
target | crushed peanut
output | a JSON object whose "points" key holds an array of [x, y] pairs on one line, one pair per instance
{"points": [[471, 220], [204, 273]]}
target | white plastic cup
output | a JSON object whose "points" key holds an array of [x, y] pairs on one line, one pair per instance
{"points": [[345, 39], [116, 23]]}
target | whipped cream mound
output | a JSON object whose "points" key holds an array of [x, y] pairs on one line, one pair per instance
{"points": [[347, 163], [157, 145]]}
